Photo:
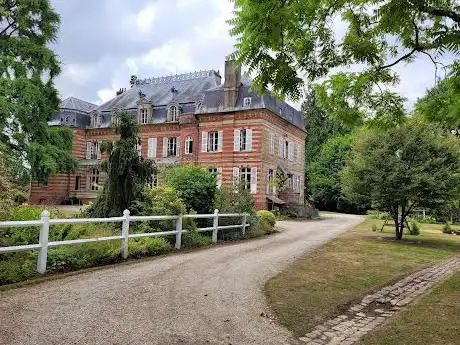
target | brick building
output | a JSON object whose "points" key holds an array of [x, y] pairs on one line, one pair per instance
{"points": [[191, 119]]}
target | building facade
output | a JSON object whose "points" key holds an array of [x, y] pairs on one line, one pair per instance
{"points": [[190, 119]]}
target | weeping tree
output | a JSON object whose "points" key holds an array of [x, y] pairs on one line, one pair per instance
{"points": [[127, 172]]}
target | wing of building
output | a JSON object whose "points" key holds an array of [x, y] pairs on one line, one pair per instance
{"points": [[192, 118]]}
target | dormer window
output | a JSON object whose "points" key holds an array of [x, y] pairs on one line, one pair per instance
{"points": [[173, 113], [247, 101], [96, 120]]}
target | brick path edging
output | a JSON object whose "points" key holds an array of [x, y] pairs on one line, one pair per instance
{"points": [[374, 309]]}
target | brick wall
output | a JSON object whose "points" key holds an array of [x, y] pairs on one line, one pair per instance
{"points": [[261, 122]]}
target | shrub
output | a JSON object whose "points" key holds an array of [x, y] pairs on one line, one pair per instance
{"points": [[193, 239], [414, 228], [267, 216], [374, 227], [16, 267], [139, 247], [447, 228], [196, 186]]}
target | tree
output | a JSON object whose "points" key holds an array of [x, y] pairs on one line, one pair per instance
{"points": [[279, 39], [402, 168], [324, 178], [127, 173], [441, 104], [28, 99], [196, 186]]}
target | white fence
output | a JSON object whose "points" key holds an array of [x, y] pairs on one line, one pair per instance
{"points": [[45, 222]]}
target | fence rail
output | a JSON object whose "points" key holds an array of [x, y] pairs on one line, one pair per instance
{"points": [[45, 222]]}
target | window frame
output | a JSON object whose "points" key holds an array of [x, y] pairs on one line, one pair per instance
{"points": [[94, 177], [173, 116], [188, 145], [143, 112], [245, 177], [172, 147], [213, 141]]}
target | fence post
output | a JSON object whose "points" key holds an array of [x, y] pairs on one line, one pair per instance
{"points": [[178, 231], [215, 226], [125, 233], [244, 223], [44, 233]]}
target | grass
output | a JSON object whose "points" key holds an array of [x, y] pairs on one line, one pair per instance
{"points": [[434, 319], [326, 282]]}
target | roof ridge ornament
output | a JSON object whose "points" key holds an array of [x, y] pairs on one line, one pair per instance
{"points": [[174, 78]]}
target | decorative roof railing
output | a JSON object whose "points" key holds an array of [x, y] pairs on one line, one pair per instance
{"points": [[177, 77]]}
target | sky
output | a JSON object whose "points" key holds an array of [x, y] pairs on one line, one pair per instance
{"points": [[102, 43]]}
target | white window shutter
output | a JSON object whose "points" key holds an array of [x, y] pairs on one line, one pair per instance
{"points": [[248, 139], [271, 143], [204, 142], [236, 140], [152, 148], [281, 147], [165, 147], [298, 157], [220, 142], [291, 151], [219, 177], [236, 175], [177, 146], [253, 180], [88, 149], [98, 152]]}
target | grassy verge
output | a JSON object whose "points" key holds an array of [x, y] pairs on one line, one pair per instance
{"points": [[433, 319], [324, 283]]}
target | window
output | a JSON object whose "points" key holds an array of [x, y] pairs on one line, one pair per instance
{"points": [[93, 150], [96, 120], [139, 147], [247, 101], [286, 149], [270, 182], [243, 140], [188, 145], [152, 147], [213, 141], [173, 113], [172, 147], [296, 184], [245, 177], [94, 180], [77, 182], [289, 181], [143, 116], [271, 143], [115, 120], [153, 181]]}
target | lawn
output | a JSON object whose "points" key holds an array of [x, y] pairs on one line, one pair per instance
{"points": [[324, 283]]}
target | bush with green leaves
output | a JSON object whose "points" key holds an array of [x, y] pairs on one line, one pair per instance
{"points": [[374, 227], [148, 246], [447, 229], [414, 228], [195, 185]]}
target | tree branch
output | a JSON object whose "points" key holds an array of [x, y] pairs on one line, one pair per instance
{"points": [[441, 13]]}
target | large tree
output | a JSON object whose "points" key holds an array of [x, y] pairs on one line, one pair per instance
{"points": [[127, 172], [403, 168], [28, 98], [280, 38]]}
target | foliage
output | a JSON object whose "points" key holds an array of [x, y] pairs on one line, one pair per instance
{"points": [[6, 190], [193, 239], [236, 199], [148, 246], [195, 185], [374, 227], [447, 229], [324, 172], [28, 98], [402, 168], [414, 228], [267, 216], [441, 104], [278, 40], [127, 173]]}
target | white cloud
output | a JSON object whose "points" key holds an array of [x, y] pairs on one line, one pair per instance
{"points": [[146, 17], [77, 74]]}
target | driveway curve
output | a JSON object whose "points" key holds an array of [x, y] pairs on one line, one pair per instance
{"points": [[210, 296]]}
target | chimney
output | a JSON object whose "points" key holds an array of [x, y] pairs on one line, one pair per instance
{"points": [[232, 83]]}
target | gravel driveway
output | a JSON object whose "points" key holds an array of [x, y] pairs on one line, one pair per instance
{"points": [[210, 296]]}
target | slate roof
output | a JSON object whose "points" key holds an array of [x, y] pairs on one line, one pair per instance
{"points": [[73, 103], [190, 88], [198, 92]]}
